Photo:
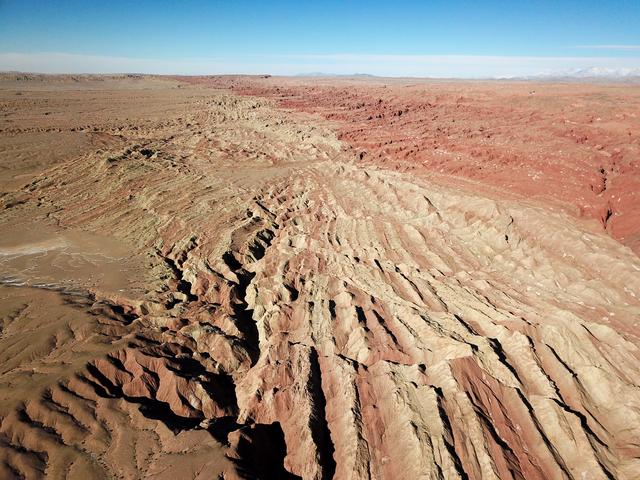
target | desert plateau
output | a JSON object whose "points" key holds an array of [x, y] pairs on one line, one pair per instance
{"points": [[354, 278]]}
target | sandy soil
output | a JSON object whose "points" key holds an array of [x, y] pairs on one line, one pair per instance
{"points": [[199, 283]]}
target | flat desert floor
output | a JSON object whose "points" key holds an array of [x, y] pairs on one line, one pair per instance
{"points": [[247, 277]]}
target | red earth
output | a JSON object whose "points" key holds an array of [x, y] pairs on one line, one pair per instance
{"points": [[569, 146]]}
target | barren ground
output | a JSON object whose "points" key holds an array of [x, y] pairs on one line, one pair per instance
{"points": [[287, 278]]}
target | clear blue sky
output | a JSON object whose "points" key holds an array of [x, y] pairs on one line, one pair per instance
{"points": [[285, 35]]}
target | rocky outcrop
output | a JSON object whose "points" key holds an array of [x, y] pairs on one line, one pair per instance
{"points": [[563, 146]]}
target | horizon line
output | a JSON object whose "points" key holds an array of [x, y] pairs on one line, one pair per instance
{"points": [[382, 65]]}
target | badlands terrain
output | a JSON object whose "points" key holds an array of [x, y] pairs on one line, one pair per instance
{"points": [[248, 277]]}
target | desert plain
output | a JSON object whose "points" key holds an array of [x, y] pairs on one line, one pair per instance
{"points": [[352, 278]]}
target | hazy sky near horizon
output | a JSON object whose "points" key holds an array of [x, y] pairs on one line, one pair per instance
{"points": [[413, 38]]}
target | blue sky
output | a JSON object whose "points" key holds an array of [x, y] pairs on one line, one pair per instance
{"points": [[437, 38]]}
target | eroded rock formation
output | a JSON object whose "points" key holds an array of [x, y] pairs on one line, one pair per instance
{"points": [[300, 314]]}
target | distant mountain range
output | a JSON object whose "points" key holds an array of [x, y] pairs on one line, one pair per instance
{"points": [[323, 74], [591, 73]]}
